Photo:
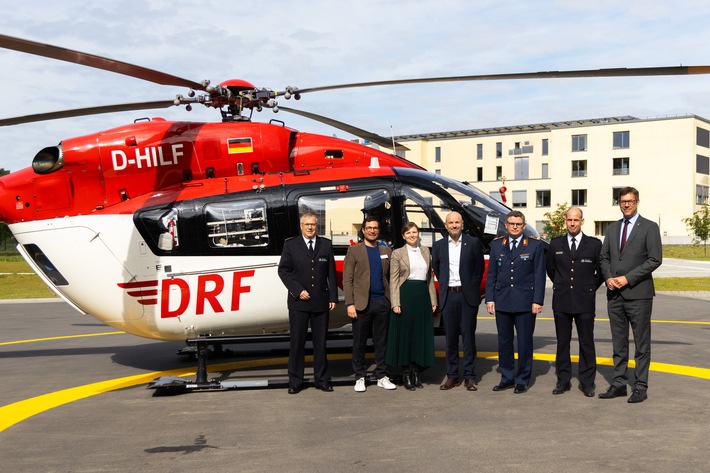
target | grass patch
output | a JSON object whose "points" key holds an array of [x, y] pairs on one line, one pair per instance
{"points": [[682, 284], [21, 286], [694, 252]]}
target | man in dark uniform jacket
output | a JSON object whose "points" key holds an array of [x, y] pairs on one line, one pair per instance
{"points": [[631, 251], [307, 269], [515, 293], [573, 267], [458, 264]]}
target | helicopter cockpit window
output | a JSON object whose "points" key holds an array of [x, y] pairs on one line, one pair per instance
{"points": [[487, 215], [236, 224], [162, 227], [340, 215], [427, 211]]}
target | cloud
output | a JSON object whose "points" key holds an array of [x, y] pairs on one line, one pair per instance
{"points": [[318, 42]]}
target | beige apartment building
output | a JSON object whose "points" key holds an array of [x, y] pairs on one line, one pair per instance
{"points": [[584, 163]]}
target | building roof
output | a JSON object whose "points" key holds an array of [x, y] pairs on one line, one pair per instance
{"points": [[528, 128]]}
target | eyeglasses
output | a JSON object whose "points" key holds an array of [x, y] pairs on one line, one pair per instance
{"points": [[514, 224], [309, 224], [372, 229], [627, 202]]}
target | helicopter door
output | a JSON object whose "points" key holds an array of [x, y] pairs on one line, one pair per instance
{"points": [[427, 210], [340, 214]]}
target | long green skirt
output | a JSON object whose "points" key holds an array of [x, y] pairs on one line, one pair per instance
{"points": [[410, 337]]}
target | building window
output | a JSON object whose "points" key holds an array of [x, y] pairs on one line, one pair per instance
{"points": [[437, 171], [702, 137], [479, 151], [479, 174], [621, 139], [579, 197], [499, 173], [579, 142], [579, 168], [545, 147], [621, 166], [600, 227], [545, 171], [499, 150], [701, 195], [702, 164], [520, 199], [521, 168], [542, 198], [437, 154], [615, 196]]}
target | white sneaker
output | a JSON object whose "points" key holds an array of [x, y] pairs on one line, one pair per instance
{"points": [[360, 385], [386, 383]]}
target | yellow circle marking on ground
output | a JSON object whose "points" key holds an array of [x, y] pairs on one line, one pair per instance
{"points": [[16, 342], [14, 413]]}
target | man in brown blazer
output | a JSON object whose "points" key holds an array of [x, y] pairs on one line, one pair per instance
{"points": [[366, 273]]}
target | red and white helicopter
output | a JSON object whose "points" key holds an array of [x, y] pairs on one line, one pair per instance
{"points": [[173, 230]]}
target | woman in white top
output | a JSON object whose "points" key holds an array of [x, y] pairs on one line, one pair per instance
{"points": [[410, 339]]}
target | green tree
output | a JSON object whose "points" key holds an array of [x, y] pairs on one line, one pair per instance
{"points": [[555, 226], [699, 226]]}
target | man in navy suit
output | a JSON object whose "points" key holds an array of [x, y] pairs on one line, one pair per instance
{"points": [[573, 267], [458, 264], [307, 269], [515, 293], [631, 251]]}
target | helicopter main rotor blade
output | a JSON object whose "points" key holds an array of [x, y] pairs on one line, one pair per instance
{"points": [[79, 112], [98, 62], [617, 72], [372, 137]]}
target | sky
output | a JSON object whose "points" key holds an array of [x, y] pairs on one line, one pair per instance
{"points": [[314, 43]]}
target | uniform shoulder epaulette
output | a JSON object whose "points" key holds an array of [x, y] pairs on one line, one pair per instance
{"points": [[534, 238], [289, 238], [499, 237]]}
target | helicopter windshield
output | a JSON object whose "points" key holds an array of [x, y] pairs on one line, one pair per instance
{"points": [[487, 214]]}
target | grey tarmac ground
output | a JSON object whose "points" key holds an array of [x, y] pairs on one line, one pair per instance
{"points": [[268, 430]]}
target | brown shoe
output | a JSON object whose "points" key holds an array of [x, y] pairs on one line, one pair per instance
{"points": [[470, 385], [450, 384]]}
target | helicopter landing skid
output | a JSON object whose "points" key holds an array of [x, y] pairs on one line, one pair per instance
{"points": [[199, 348]]}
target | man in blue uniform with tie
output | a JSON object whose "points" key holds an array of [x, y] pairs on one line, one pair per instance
{"points": [[515, 293]]}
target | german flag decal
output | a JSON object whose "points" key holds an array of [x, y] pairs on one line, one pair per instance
{"points": [[239, 145]]}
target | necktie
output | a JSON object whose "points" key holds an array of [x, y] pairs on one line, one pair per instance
{"points": [[623, 236], [310, 246], [574, 247], [515, 243]]}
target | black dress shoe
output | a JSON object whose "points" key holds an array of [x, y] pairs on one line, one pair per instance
{"points": [[503, 386], [613, 391], [415, 380], [407, 381], [325, 388], [637, 396], [294, 390], [589, 392], [561, 388], [520, 389]]}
